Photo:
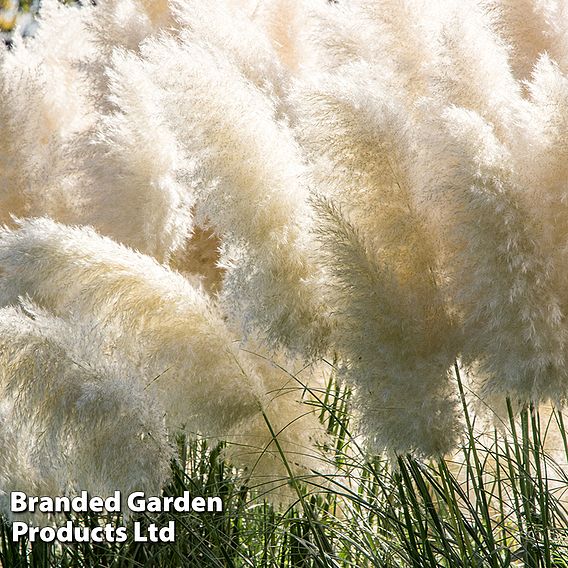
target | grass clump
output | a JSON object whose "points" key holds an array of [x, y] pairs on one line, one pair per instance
{"points": [[498, 502]]}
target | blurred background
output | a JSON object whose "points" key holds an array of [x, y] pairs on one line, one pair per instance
{"points": [[21, 14], [17, 13]]}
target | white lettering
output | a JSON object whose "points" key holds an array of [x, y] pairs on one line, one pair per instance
{"points": [[18, 529], [136, 503], [112, 504], [18, 502], [214, 504]]}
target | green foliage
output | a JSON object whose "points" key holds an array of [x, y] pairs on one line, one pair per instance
{"points": [[496, 507]]}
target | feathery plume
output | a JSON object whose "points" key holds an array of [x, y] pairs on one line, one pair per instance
{"points": [[284, 23], [533, 28], [234, 32], [502, 276], [473, 70], [120, 24], [72, 417], [247, 168], [542, 134], [199, 260], [128, 166], [172, 332], [526, 25], [43, 104], [393, 330]]}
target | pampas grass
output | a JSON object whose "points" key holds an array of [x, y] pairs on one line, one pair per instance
{"points": [[373, 191], [171, 331], [62, 415]]}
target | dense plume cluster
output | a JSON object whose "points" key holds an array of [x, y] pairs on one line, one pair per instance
{"points": [[191, 189], [61, 414]]}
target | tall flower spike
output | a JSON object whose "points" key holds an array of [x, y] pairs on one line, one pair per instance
{"points": [[20, 470], [172, 332], [407, 36], [284, 23], [120, 24], [502, 275], [393, 330], [249, 189], [337, 34], [128, 167], [393, 345], [43, 104], [543, 135]]}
